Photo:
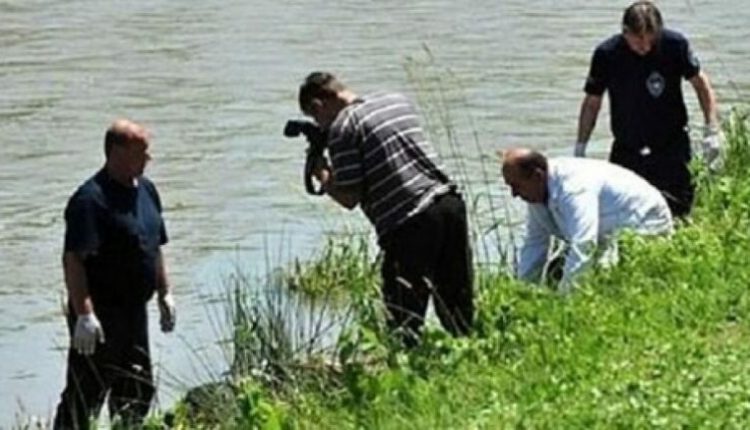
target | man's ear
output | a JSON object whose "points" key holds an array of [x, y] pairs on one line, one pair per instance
{"points": [[316, 105], [540, 174]]}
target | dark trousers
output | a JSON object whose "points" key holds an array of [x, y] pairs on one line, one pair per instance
{"points": [[666, 169], [429, 255], [120, 367]]}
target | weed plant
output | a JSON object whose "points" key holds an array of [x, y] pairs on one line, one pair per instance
{"points": [[660, 340], [346, 262]]}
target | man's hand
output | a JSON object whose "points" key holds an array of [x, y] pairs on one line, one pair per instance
{"points": [[711, 145], [167, 312], [87, 333], [348, 197], [321, 170], [580, 149]]}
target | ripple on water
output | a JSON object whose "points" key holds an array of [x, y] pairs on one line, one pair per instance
{"points": [[215, 82], [24, 374]]}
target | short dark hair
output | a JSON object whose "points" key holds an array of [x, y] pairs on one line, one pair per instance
{"points": [[111, 138], [531, 162], [318, 85], [642, 17]]}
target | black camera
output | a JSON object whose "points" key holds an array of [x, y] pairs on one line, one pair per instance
{"points": [[316, 139]]}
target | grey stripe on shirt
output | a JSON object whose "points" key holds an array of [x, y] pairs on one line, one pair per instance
{"points": [[378, 142]]}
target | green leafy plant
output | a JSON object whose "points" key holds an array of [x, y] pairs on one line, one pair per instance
{"points": [[660, 340]]}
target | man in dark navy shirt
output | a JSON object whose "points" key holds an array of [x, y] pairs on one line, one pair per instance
{"points": [[113, 264], [642, 69]]}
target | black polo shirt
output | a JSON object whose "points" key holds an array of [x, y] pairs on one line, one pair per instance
{"points": [[645, 92], [120, 229]]}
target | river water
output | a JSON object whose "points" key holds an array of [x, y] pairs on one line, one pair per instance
{"points": [[215, 82]]}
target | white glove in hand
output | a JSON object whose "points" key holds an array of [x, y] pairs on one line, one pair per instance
{"points": [[167, 313], [87, 333], [580, 149], [711, 145]]}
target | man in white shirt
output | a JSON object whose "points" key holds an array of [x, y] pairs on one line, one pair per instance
{"points": [[584, 202]]}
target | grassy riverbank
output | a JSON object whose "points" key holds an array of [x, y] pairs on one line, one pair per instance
{"points": [[660, 340]]}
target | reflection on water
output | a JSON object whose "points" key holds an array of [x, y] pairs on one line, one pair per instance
{"points": [[215, 81]]}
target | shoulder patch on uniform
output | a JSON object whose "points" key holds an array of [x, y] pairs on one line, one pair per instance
{"points": [[692, 58]]}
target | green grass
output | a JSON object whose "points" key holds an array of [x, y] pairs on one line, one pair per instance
{"points": [[661, 340], [345, 261]]}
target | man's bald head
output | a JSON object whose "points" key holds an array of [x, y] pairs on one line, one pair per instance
{"points": [[124, 131], [524, 161], [126, 146], [525, 172]]}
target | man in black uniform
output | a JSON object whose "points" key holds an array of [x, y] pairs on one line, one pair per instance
{"points": [[113, 264], [642, 68]]}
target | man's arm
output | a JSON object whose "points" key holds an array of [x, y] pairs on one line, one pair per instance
{"points": [[587, 121], [578, 218], [712, 137], [533, 254], [348, 196], [167, 309], [76, 283], [707, 99], [88, 330], [81, 240], [162, 283]]}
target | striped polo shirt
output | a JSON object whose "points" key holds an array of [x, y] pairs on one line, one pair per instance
{"points": [[377, 142]]}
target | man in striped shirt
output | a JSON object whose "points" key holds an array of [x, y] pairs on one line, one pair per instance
{"points": [[381, 161]]}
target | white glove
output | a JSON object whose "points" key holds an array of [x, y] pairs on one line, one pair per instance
{"points": [[167, 312], [87, 333], [580, 149], [711, 145]]}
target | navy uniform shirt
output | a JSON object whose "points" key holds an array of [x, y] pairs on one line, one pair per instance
{"points": [[645, 92], [120, 230]]}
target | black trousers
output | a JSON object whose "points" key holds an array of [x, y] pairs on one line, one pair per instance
{"points": [[430, 255], [664, 168], [120, 367]]}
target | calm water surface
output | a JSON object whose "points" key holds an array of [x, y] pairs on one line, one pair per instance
{"points": [[215, 81]]}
